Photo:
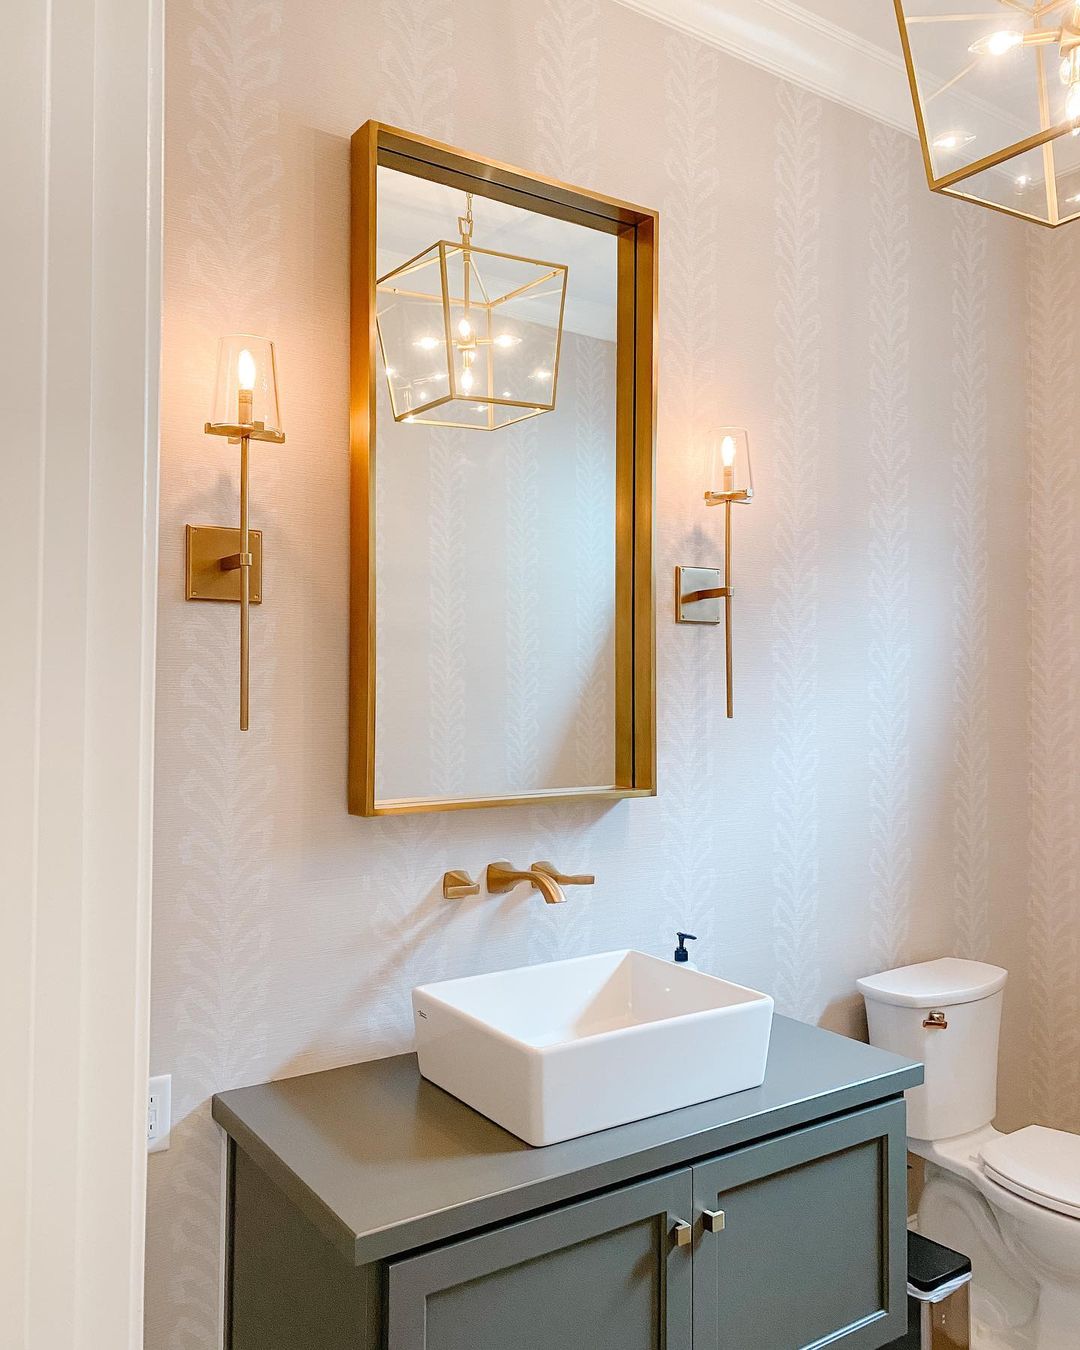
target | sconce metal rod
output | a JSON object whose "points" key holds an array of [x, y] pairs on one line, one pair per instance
{"points": [[727, 609], [245, 582]]}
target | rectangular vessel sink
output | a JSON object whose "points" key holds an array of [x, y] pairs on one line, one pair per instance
{"points": [[554, 1051]]}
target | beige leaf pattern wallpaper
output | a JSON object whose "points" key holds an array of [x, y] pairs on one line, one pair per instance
{"points": [[902, 777]]}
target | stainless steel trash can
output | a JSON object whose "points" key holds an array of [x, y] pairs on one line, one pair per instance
{"points": [[939, 1290]]}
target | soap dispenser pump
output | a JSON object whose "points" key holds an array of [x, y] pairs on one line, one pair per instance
{"points": [[682, 956]]}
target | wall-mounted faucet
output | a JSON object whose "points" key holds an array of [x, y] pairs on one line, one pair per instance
{"points": [[501, 877]]}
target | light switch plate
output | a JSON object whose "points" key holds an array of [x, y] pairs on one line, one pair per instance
{"points": [[159, 1113]]}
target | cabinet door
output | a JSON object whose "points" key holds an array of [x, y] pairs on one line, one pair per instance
{"points": [[605, 1274], [813, 1247]]}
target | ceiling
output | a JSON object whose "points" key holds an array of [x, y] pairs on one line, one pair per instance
{"points": [[846, 50], [870, 20]]}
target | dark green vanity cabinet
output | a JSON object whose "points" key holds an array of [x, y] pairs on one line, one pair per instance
{"points": [[602, 1272], [368, 1210]]}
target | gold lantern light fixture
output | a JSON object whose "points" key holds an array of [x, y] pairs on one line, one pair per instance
{"points": [[705, 595], [996, 87], [225, 563], [471, 337]]}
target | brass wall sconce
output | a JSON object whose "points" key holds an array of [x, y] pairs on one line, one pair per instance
{"points": [[699, 591], [225, 563]]}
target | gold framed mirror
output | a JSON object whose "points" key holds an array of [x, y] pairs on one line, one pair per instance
{"points": [[503, 413]]}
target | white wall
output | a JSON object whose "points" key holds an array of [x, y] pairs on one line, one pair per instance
{"points": [[80, 138], [867, 805]]}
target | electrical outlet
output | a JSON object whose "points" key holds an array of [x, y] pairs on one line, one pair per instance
{"points": [[159, 1114]]}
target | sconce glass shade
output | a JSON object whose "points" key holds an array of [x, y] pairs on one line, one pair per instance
{"points": [[471, 337], [996, 86], [727, 466], [246, 388]]}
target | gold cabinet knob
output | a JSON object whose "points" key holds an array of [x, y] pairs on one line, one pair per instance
{"points": [[683, 1233], [713, 1220]]}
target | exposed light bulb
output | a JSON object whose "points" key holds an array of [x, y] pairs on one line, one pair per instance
{"points": [[465, 329], [245, 371], [467, 380], [1072, 102], [245, 379], [997, 44], [426, 344], [727, 459]]}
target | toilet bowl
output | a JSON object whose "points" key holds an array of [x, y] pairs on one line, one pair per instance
{"points": [[1016, 1196]]}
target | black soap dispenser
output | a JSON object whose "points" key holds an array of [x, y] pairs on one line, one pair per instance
{"points": [[682, 956]]}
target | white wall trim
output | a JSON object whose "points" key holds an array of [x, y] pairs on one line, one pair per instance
{"points": [[80, 132], [788, 40]]}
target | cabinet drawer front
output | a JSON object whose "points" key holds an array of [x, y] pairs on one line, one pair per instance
{"points": [[812, 1247], [604, 1274]]}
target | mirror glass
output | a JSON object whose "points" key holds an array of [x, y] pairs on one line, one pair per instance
{"points": [[495, 549]]}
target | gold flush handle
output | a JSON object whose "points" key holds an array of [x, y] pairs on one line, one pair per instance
{"points": [[682, 1233], [936, 1021], [713, 1220]]}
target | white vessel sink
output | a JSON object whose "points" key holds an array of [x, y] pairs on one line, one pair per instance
{"points": [[554, 1051]]}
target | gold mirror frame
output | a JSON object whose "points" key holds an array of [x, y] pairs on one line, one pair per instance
{"points": [[375, 145]]}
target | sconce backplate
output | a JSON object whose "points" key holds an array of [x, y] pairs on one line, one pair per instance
{"points": [[699, 595], [207, 545]]}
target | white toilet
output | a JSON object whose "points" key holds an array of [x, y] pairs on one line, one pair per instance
{"points": [[1014, 1196]]}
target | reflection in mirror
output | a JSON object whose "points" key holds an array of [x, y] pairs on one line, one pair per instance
{"points": [[495, 537]]}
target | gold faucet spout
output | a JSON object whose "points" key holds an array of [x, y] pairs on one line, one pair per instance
{"points": [[501, 877]]}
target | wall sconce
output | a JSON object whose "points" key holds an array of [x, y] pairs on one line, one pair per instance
{"points": [[699, 591], [225, 563]]}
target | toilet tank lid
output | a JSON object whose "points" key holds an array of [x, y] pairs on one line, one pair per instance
{"points": [[934, 984]]}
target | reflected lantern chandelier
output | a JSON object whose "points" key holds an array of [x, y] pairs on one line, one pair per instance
{"points": [[996, 85], [471, 337]]}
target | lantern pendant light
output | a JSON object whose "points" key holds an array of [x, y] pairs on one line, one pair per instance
{"points": [[997, 101], [471, 337]]}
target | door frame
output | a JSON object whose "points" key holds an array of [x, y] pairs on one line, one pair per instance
{"points": [[80, 130]]}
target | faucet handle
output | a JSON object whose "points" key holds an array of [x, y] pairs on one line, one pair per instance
{"points": [[550, 870], [457, 885]]}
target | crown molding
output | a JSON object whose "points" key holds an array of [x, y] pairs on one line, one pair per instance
{"points": [[790, 41]]}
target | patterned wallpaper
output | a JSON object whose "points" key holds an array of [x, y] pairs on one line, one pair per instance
{"points": [[869, 804], [1053, 936], [495, 576]]}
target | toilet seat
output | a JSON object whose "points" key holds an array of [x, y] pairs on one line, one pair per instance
{"points": [[1039, 1165]]}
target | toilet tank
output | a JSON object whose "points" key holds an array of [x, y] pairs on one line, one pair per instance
{"points": [[946, 1013]]}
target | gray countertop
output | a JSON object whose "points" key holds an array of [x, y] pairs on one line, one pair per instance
{"points": [[381, 1161]]}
